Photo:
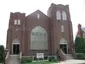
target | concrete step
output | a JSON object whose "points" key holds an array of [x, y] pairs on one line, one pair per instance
{"points": [[69, 56], [14, 59]]}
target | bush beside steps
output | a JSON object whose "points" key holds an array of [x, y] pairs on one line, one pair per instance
{"points": [[26, 59], [52, 59]]}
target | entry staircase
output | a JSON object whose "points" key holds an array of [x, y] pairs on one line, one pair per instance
{"points": [[65, 56], [68, 56], [14, 59]]}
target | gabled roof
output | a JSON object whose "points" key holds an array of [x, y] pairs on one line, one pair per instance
{"points": [[38, 12]]}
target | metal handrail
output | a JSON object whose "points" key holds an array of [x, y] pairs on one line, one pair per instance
{"points": [[20, 56], [7, 58], [7, 55], [62, 52]]}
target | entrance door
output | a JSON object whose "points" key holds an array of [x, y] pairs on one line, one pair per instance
{"points": [[64, 48], [15, 48]]}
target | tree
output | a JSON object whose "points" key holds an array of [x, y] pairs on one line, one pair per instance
{"points": [[80, 45], [1, 53]]}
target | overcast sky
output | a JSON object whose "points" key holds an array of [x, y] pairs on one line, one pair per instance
{"points": [[77, 11]]}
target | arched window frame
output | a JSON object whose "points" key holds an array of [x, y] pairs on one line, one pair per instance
{"points": [[63, 41], [38, 15], [15, 22], [19, 22], [58, 15], [16, 41], [38, 38], [64, 16]]}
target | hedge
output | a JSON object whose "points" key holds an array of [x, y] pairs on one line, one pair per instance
{"points": [[26, 59], [80, 45], [80, 55], [52, 58]]}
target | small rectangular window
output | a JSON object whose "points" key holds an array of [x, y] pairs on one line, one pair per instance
{"points": [[38, 16], [15, 22], [62, 28]]}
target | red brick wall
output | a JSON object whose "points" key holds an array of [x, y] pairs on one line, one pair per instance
{"points": [[51, 25]]}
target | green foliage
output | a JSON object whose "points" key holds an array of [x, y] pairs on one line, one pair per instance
{"points": [[80, 55], [52, 58], [45, 58], [35, 58], [26, 59], [80, 45], [1, 53], [41, 62]]}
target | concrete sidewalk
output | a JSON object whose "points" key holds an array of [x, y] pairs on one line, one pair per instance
{"points": [[72, 61]]}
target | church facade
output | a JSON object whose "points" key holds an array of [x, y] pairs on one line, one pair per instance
{"points": [[40, 33]]}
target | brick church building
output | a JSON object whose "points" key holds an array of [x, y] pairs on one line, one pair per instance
{"points": [[39, 33], [81, 31]]}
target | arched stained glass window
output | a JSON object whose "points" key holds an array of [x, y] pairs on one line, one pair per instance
{"points": [[39, 41]]}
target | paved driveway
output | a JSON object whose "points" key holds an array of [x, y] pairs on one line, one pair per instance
{"points": [[73, 61]]}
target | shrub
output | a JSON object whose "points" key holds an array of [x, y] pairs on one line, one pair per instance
{"points": [[26, 59], [45, 58], [52, 58], [35, 58], [80, 55], [80, 45], [1, 59]]}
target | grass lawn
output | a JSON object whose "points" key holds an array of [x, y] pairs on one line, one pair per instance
{"points": [[41, 62]]}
